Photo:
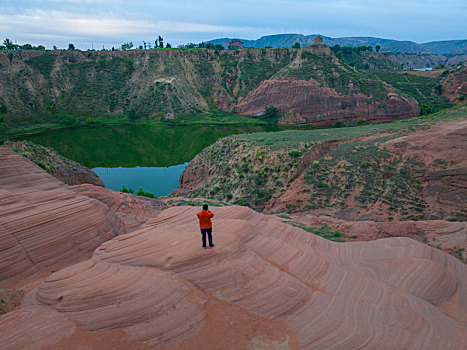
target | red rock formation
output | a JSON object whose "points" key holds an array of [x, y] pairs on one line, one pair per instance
{"points": [[66, 170], [305, 102], [131, 210], [157, 286], [455, 86], [442, 149], [45, 225], [450, 237]]}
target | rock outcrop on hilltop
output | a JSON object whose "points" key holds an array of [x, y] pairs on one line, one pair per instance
{"points": [[46, 225], [265, 284], [64, 169]]}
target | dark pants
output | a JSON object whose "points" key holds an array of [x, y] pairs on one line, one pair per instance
{"points": [[209, 232]]}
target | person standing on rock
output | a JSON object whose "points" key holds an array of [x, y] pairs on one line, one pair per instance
{"points": [[205, 225]]}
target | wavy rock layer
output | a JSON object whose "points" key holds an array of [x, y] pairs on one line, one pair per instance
{"points": [[307, 102], [45, 225], [66, 170], [156, 284]]}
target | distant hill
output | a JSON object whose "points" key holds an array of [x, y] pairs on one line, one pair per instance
{"points": [[287, 40]]}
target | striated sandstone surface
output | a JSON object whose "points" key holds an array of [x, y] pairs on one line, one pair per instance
{"points": [[46, 225], [132, 211], [450, 237], [157, 287], [64, 169]]}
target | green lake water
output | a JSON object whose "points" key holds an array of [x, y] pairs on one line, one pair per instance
{"points": [[137, 156]]}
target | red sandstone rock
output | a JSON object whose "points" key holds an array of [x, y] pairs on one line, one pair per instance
{"points": [[443, 149], [155, 286], [305, 102], [450, 237], [455, 86], [66, 170], [133, 211], [46, 225]]}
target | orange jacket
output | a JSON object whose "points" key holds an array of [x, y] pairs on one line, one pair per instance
{"points": [[205, 219]]}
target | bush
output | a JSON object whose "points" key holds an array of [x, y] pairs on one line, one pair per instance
{"points": [[270, 112], [3, 108], [126, 190], [143, 193], [295, 153], [425, 109]]}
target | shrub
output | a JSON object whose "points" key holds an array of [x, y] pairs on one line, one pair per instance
{"points": [[270, 112], [284, 216], [425, 109], [126, 190], [295, 153], [3, 108]]}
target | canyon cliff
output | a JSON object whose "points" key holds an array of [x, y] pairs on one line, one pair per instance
{"points": [[69, 87]]}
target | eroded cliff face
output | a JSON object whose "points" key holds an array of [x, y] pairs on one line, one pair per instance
{"points": [[306, 102], [454, 86], [66, 170], [309, 85]]}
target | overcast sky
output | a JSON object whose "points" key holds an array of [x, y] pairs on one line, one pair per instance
{"points": [[97, 23]]}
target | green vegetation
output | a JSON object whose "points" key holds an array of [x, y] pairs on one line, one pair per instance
{"points": [[251, 168], [151, 87], [140, 192], [127, 190], [425, 90], [380, 179], [250, 70], [284, 216], [324, 231], [197, 203], [143, 193], [289, 139], [43, 63], [361, 58], [337, 75]]}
